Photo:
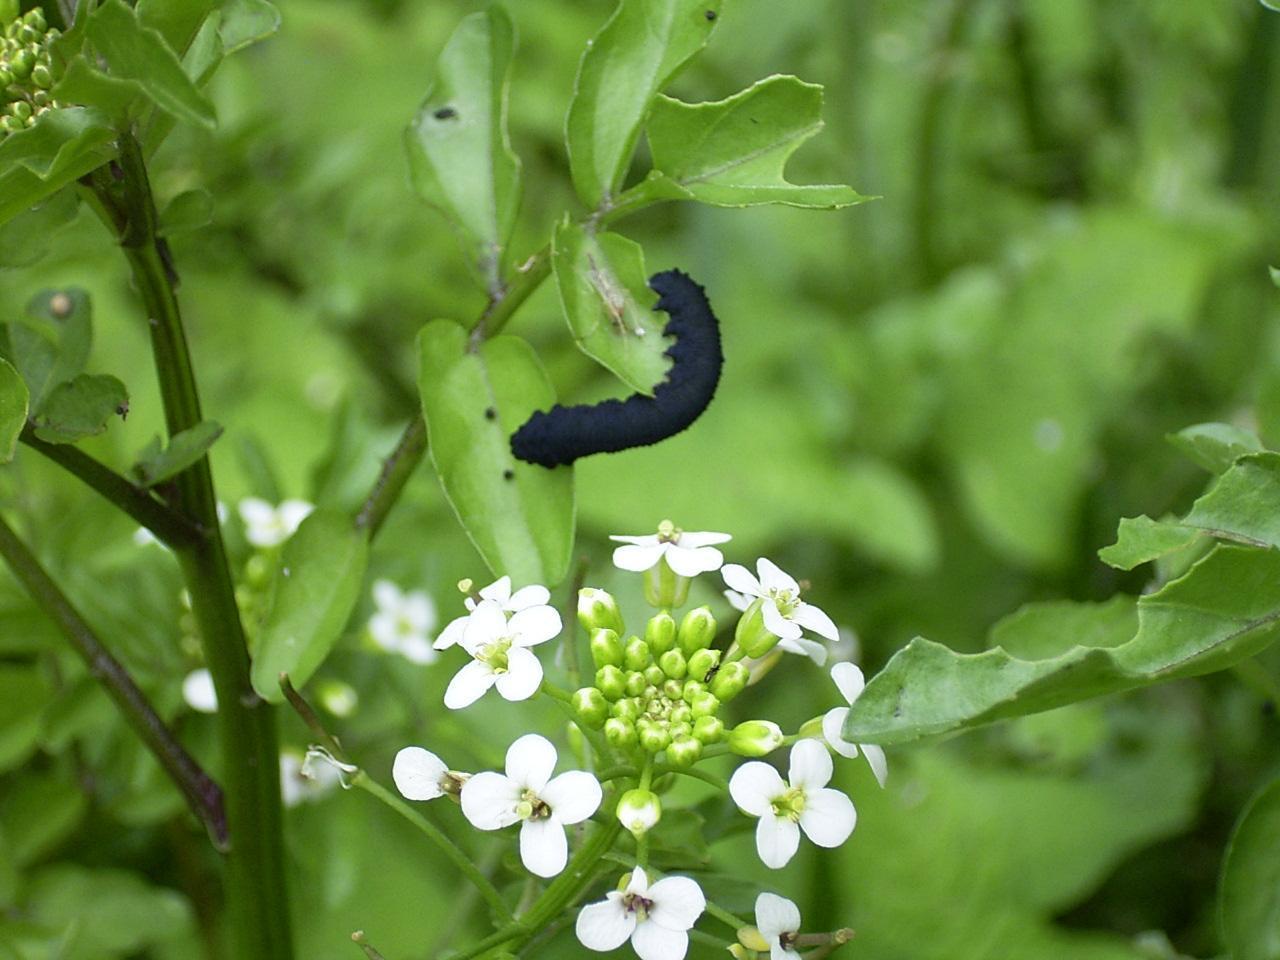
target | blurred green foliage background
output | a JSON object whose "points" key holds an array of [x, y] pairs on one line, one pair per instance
{"points": [[935, 407]]}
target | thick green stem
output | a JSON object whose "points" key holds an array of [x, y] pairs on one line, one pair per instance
{"points": [[396, 470], [202, 794], [254, 879], [573, 882]]}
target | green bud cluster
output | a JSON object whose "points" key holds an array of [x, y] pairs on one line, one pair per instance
{"points": [[27, 71], [660, 692]]}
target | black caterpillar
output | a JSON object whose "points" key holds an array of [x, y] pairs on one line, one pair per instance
{"points": [[563, 434]]}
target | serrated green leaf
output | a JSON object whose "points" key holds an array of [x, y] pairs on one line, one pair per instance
{"points": [[177, 21], [606, 298], [1248, 907], [36, 162], [13, 409], [1039, 631], [460, 157], [140, 53], [246, 22], [1244, 503], [1225, 609], [157, 463], [1141, 539], [186, 212], [519, 516], [67, 315], [317, 585], [1215, 446], [33, 352], [80, 408], [734, 152], [84, 83], [640, 50]]}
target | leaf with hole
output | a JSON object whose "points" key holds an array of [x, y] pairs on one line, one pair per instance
{"points": [[80, 408]]}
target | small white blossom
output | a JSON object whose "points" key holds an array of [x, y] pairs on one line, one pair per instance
{"points": [[530, 796], [687, 553], [778, 920], [785, 615], [499, 591], [303, 782], [500, 653], [656, 919], [197, 690], [402, 622], [419, 774], [784, 807], [268, 526], [848, 678], [803, 646]]}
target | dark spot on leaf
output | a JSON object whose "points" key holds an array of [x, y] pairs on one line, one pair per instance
{"points": [[710, 14], [508, 474], [490, 413], [123, 411], [754, 120], [445, 113]]}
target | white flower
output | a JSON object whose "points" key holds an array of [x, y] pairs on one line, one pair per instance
{"points": [[499, 591], [850, 682], [786, 616], [778, 920], [302, 782], [500, 648], [785, 808], [529, 795], [197, 690], [268, 526], [687, 553], [419, 774], [402, 622], [656, 918], [801, 645]]}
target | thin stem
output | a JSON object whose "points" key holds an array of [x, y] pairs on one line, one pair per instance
{"points": [[359, 940], [496, 939], [171, 527], [203, 795], [396, 471], [571, 619], [577, 876], [254, 880]]}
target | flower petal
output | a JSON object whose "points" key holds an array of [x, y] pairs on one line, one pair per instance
{"points": [[677, 903], [828, 817], [469, 685], [777, 839], [418, 773], [419, 611], [739, 578], [776, 915], [530, 596], [499, 591], [738, 601], [418, 649], [849, 680], [811, 766], [530, 761], [651, 941], [534, 625], [815, 620], [489, 800], [876, 760], [384, 630], [256, 512], [605, 925], [544, 849], [387, 596], [832, 725], [292, 513], [452, 633], [644, 541], [776, 623], [773, 577], [754, 785], [572, 796], [198, 691], [638, 882], [636, 558], [693, 539], [486, 624], [690, 563], [523, 676], [806, 648]]}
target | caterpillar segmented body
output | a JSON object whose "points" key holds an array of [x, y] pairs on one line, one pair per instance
{"points": [[563, 434]]}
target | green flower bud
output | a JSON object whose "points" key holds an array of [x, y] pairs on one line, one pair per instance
{"points": [[685, 751], [338, 698], [654, 739], [672, 689], [709, 729], [705, 705], [673, 664], [681, 714], [697, 630], [41, 76], [651, 691], [691, 689], [702, 661], [611, 682], [635, 683], [636, 654], [730, 680], [20, 109], [627, 709], [620, 733], [639, 811], [751, 634], [34, 18], [591, 707], [606, 648], [597, 609], [6, 76], [681, 731], [755, 738], [653, 673], [660, 633], [21, 63], [665, 588]]}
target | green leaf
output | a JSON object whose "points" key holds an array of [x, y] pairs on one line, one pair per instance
{"points": [[24, 691], [1141, 539], [188, 211], [37, 813], [38, 161], [112, 913], [1225, 609], [84, 83], [246, 22], [13, 409], [28, 237], [1215, 446], [136, 52], [1271, 5], [80, 408], [157, 463], [1248, 908], [640, 50], [1039, 631], [317, 585], [68, 316], [460, 159], [177, 21], [734, 152], [606, 298], [518, 515], [1244, 503]]}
